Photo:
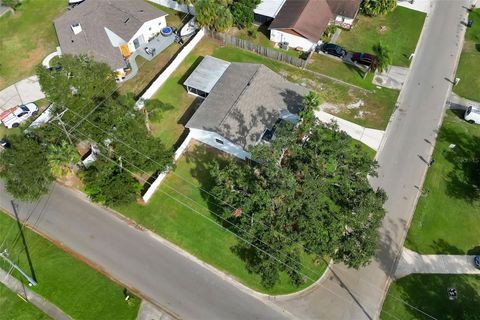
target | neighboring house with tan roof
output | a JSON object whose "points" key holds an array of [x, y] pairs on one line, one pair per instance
{"points": [[301, 23], [108, 30], [243, 103]]}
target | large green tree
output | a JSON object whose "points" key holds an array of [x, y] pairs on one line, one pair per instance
{"points": [[25, 168], [90, 110], [213, 14], [301, 194], [109, 184], [378, 7], [242, 11]]}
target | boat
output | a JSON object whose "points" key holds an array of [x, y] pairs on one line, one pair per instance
{"points": [[188, 29], [74, 2]]}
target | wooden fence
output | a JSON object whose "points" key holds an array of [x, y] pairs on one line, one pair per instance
{"points": [[267, 52]]}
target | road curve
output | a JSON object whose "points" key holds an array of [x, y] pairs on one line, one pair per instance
{"points": [[138, 260], [358, 294]]}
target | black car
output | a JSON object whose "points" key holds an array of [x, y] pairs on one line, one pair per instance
{"points": [[4, 144], [476, 262], [364, 58], [334, 50]]}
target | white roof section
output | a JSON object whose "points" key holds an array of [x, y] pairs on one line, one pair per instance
{"points": [[269, 8], [206, 74]]}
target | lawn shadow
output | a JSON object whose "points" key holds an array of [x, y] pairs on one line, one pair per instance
{"points": [[190, 70], [477, 46], [443, 247], [428, 293], [475, 251]]}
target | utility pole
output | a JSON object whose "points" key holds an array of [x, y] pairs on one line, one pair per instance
{"points": [[59, 118], [4, 255]]}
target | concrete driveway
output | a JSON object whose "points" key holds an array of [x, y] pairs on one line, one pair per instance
{"points": [[413, 262], [370, 137], [22, 92]]}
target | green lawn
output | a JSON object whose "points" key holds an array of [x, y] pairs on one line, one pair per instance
{"points": [[469, 65], [377, 104], [74, 287], [193, 231], [399, 30], [339, 70], [26, 38], [14, 308], [429, 294], [447, 218], [148, 71]]}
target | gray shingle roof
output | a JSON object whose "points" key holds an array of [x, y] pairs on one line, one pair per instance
{"points": [[123, 17], [246, 100], [206, 74]]}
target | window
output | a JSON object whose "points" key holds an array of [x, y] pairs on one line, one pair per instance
{"points": [[218, 141], [136, 43]]}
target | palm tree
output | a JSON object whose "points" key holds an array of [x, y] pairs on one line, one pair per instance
{"points": [[61, 157], [384, 56]]}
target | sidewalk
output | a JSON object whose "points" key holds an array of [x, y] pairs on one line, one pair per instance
{"points": [[371, 137], [412, 262], [417, 5], [16, 286], [148, 311], [393, 78], [22, 92]]}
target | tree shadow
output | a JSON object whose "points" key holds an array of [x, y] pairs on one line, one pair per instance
{"points": [[477, 46], [463, 180], [475, 251], [444, 247], [428, 293], [388, 250]]}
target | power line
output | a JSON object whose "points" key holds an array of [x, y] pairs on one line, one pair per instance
{"points": [[202, 189], [297, 271]]}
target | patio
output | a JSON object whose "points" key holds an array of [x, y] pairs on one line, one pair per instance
{"points": [[155, 46]]}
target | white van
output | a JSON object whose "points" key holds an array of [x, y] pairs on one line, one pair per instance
{"points": [[472, 114]]}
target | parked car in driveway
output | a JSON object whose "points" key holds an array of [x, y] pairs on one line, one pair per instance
{"points": [[13, 117], [476, 262], [472, 114], [365, 59], [334, 50]]}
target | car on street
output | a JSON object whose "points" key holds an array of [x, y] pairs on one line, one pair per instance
{"points": [[334, 50], [476, 262], [472, 114], [365, 59], [13, 117]]}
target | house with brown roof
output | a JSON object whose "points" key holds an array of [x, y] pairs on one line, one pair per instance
{"points": [[301, 23], [108, 30], [242, 104]]}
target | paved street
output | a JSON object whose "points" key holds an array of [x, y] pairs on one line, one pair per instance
{"points": [[139, 260], [351, 294]]}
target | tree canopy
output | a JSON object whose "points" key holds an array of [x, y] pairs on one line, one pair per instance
{"points": [[301, 193], [384, 56], [219, 15], [378, 7], [83, 92], [25, 169]]}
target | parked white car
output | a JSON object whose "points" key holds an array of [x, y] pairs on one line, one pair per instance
{"points": [[472, 114], [13, 117]]}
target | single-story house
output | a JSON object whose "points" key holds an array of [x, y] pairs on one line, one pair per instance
{"points": [[108, 30], [301, 23], [243, 106]]}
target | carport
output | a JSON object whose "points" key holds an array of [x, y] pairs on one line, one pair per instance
{"points": [[202, 80]]}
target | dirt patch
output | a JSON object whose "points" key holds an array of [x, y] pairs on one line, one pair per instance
{"points": [[382, 29], [34, 57], [356, 105]]}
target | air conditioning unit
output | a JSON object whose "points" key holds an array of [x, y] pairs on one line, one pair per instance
{"points": [[283, 45]]}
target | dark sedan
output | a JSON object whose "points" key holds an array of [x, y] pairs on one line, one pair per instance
{"points": [[476, 262], [365, 59], [334, 50]]}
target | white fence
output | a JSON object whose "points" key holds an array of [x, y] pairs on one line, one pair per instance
{"points": [[172, 66], [153, 89], [154, 186], [175, 6]]}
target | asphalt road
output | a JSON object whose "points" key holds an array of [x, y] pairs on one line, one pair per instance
{"points": [[352, 294], [138, 260]]}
